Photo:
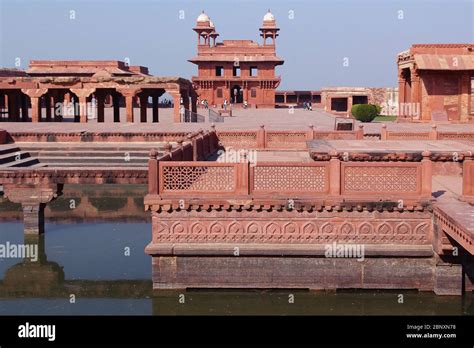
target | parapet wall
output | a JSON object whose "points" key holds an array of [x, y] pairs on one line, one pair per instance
{"points": [[3, 136]]}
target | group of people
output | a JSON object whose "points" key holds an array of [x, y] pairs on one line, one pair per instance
{"points": [[205, 104], [225, 104], [307, 106]]}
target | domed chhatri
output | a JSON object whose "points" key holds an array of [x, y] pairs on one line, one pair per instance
{"points": [[203, 17], [269, 17], [211, 23]]}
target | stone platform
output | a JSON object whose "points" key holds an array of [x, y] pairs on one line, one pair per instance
{"points": [[441, 147]]}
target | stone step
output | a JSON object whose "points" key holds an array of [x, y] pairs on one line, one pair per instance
{"points": [[25, 162], [8, 148], [12, 157], [115, 166], [100, 160], [87, 153], [90, 147]]}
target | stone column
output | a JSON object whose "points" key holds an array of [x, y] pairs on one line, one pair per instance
{"points": [[143, 107], [465, 86], [416, 94], [35, 95], [334, 174], [116, 105], [468, 178], [426, 175], [401, 93], [129, 94], [33, 200], [261, 137], [129, 108], [82, 94], [176, 106], [155, 100]]}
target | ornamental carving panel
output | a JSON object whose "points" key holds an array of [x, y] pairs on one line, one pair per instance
{"points": [[380, 179], [286, 139], [290, 178], [202, 178], [456, 136], [239, 140], [388, 231], [407, 135]]}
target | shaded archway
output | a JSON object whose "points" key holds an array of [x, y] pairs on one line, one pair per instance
{"points": [[236, 94]]}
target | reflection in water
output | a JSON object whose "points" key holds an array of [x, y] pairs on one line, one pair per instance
{"points": [[94, 251]]}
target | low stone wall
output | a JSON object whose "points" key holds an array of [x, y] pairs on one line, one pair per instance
{"points": [[3, 136], [97, 136], [310, 272], [433, 134], [276, 140]]}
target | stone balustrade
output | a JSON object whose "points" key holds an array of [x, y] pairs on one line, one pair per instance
{"points": [[277, 139], [334, 179], [433, 134]]}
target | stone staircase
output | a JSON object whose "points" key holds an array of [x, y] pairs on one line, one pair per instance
{"points": [[12, 156], [63, 155]]}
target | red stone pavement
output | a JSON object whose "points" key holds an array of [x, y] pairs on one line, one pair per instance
{"points": [[278, 119]]}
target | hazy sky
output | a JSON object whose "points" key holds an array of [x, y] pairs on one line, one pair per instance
{"points": [[315, 36]]}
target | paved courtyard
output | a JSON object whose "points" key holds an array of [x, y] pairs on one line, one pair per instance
{"points": [[275, 119]]}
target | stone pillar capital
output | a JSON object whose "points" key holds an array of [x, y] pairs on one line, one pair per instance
{"points": [[34, 93], [31, 195], [83, 92], [129, 92]]}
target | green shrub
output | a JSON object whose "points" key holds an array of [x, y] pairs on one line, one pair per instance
{"points": [[378, 108], [364, 112]]}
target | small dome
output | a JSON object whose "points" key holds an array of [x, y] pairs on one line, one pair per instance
{"points": [[268, 17], [211, 24], [203, 17]]}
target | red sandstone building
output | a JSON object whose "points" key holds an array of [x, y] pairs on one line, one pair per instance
{"points": [[236, 70], [49, 83], [436, 82]]}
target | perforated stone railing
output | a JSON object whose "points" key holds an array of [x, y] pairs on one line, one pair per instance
{"points": [[367, 181]]}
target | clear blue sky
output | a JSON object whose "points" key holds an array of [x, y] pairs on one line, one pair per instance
{"points": [[314, 43]]}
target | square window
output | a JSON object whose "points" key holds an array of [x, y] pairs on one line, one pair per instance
{"points": [[219, 71], [236, 71], [253, 71]]}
